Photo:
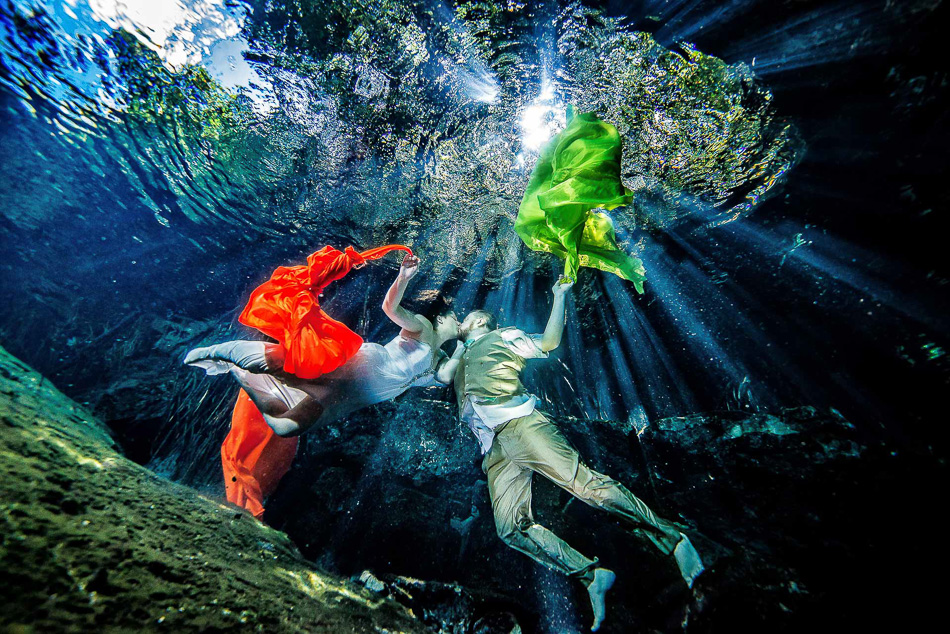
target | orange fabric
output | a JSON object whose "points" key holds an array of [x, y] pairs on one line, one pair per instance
{"points": [[253, 457], [286, 308]]}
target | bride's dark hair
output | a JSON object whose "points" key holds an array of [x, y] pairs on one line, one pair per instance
{"points": [[433, 307]]}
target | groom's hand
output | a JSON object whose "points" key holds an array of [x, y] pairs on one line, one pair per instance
{"points": [[409, 268], [563, 286]]}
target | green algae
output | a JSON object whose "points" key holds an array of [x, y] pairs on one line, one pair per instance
{"points": [[94, 541]]}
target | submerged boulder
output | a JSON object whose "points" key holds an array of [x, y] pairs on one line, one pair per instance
{"points": [[789, 510], [93, 541]]}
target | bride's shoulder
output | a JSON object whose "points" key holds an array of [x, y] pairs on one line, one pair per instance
{"points": [[426, 324], [422, 335]]}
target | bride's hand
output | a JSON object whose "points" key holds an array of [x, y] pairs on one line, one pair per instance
{"points": [[410, 266]]}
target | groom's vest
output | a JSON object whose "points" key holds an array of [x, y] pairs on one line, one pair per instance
{"points": [[489, 371]]}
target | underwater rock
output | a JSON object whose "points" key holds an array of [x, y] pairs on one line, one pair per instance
{"points": [[92, 541], [136, 384], [785, 507], [769, 500], [449, 607]]}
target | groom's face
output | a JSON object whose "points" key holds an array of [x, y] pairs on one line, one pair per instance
{"points": [[471, 321]]}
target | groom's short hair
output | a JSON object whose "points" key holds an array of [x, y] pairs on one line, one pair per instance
{"points": [[490, 321]]}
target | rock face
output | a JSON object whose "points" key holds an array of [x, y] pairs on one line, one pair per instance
{"points": [[804, 523], [795, 514], [92, 541]]}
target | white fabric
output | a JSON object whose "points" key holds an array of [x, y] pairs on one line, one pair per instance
{"points": [[483, 418], [219, 359], [524, 345], [374, 374]]}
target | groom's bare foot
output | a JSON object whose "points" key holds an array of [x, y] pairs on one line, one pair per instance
{"points": [[688, 561], [603, 580]]}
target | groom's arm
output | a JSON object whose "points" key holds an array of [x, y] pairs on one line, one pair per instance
{"points": [[551, 338]]}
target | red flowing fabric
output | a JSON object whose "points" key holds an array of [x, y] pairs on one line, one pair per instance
{"points": [[286, 308], [253, 457]]}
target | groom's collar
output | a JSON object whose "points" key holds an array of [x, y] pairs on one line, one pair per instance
{"points": [[468, 343]]}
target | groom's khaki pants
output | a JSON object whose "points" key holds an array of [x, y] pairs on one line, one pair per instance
{"points": [[532, 444]]}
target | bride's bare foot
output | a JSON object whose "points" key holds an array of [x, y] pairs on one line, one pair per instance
{"points": [[200, 358], [603, 581], [249, 355]]}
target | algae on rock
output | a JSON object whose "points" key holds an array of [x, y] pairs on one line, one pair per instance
{"points": [[92, 540]]}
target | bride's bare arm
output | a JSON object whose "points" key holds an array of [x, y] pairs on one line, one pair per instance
{"points": [[392, 303]]}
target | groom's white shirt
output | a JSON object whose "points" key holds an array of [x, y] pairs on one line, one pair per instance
{"points": [[483, 418]]}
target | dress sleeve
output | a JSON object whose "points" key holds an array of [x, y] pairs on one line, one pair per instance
{"points": [[525, 345]]}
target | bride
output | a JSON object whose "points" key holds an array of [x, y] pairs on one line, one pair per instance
{"points": [[376, 373]]}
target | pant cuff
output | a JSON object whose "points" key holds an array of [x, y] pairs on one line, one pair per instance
{"points": [[586, 574]]}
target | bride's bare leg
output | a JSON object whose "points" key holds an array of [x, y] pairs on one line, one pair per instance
{"points": [[254, 356], [298, 419], [287, 410], [266, 392]]}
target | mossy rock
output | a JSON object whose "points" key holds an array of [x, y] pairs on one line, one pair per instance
{"points": [[93, 541]]}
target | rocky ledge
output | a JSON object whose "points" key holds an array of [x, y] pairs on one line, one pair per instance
{"points": [[94, 542]]}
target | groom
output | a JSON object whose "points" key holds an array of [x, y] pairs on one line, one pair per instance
{"points": [[519, 441]]}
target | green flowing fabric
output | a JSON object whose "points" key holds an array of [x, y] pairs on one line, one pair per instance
{"points": [[578, 171]]}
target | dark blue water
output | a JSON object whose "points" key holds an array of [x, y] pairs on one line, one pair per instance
{"points": [[787, 159]]}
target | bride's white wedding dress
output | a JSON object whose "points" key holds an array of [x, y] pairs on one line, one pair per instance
{"points": [[376, 373]]}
